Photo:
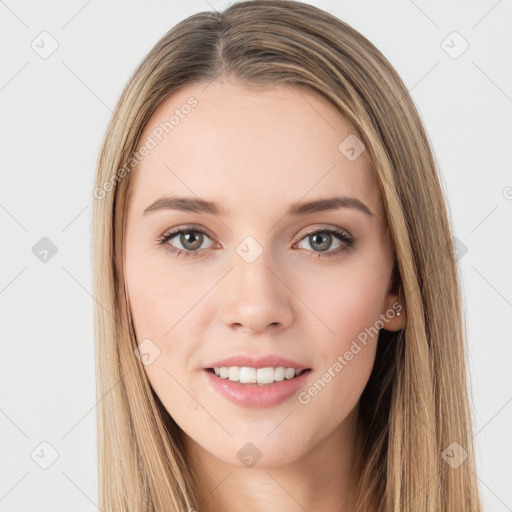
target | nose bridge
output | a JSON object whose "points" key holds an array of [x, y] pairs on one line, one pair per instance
{"points": [[254, 296]]}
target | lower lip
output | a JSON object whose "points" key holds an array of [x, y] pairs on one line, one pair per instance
{"points": [[257, 395]]}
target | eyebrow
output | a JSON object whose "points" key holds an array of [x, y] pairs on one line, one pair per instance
{"points": [[192, 204]]}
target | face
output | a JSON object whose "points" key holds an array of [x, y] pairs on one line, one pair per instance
{"points": [[249, 278]]}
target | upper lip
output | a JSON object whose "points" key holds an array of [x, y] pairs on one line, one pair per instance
{"points": [[263, 361]]}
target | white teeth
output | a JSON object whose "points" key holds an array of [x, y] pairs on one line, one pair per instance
{"points": [[279, 373], [234, 373], [289, 373], [249, 375], [267, 375]]}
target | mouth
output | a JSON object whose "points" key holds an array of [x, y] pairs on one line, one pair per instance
{"points": [[252, 377]]}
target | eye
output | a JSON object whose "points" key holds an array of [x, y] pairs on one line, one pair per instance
{"points": [[321, 239], [190, 240]]}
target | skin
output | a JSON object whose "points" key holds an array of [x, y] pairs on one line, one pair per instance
{"points": [[256, 152]]}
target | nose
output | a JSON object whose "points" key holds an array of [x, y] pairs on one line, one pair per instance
{"points": [[255, 297]]}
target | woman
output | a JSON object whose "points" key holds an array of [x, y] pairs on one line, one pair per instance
{"points": [[278, 318]]}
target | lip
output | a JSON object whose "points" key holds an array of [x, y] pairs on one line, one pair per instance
{"points": [[258, 362], [257, 395]]}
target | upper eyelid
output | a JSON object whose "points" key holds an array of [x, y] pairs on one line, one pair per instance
{"points": [[172, 232], [329, 229]]}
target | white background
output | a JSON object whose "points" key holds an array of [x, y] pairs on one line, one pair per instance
{"points": [[54, 113]]}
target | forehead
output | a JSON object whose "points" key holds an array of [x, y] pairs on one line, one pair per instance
{"points": [[245, 148]]}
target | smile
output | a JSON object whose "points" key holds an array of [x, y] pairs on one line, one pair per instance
{"points": [[242, 386]]}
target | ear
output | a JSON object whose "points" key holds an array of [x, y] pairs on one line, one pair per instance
{"points": [[394, 315]]}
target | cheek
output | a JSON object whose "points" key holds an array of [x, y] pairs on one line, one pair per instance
{"points": [[160, 296], [348, 303], [166, 308], [159, 302]]}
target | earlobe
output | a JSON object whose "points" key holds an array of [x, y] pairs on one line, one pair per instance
{"points": [[399, 321], [395, 316]]}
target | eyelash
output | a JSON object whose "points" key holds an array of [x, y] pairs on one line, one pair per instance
{"points": [[341, 234]]}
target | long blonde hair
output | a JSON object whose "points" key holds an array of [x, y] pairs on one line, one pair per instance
{"points": [[416, 405]]}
